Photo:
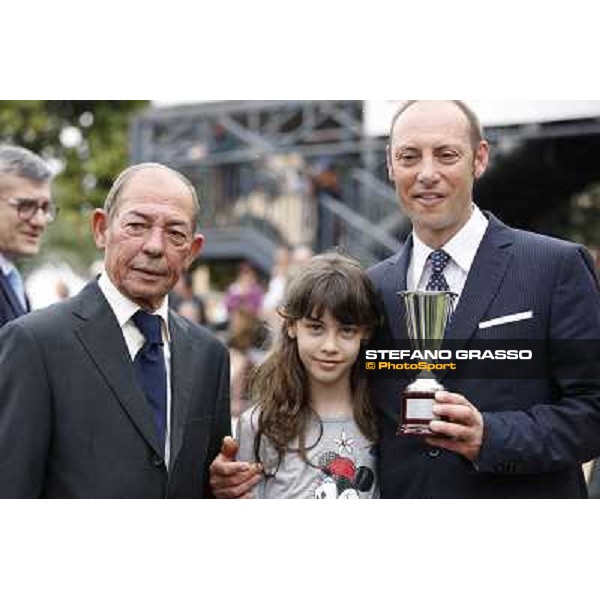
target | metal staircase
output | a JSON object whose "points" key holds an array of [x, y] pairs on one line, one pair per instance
{"points": [[252, 163]]}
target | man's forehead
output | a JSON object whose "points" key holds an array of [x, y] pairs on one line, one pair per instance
{"points": [[441, 120], [142, 209], [19, 186], [154, 178], [166, 208]]}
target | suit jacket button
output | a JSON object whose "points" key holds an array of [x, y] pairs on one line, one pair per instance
{"points": [[434, 453], [157, 460]]}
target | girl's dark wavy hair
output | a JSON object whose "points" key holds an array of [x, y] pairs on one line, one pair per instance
{"points": [[332, 282]]}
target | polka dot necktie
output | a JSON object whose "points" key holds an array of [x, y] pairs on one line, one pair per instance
{"points": [[437, 282]]}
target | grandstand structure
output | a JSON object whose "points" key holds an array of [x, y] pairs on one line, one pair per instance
{"points": [[312, 173], [278, 172]]}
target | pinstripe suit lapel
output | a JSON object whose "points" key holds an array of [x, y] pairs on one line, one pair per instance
{"points": [[483, 282]]}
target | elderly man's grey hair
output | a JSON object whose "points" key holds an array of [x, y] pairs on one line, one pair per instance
{"points": [[18, 161], [114, 194]]}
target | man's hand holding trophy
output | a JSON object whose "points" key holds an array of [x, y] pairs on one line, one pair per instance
{"points": [[427, 314], [447, 420]]}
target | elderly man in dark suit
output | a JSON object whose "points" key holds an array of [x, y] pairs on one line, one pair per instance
{"points": [[507, 437], [26, 209], [111, 394]]}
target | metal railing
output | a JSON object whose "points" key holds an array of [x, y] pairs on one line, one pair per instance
{"points": [[341, 227], [242, 196]]}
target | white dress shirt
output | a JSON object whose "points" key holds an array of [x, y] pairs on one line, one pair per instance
{"points": [[462, 248], [5, 265], [124, 309]]}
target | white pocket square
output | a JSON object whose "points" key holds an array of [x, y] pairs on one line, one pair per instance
{"points": [[522, 316]]}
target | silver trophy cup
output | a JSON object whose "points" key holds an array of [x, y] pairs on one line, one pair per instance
{"points": [[427, 314]]}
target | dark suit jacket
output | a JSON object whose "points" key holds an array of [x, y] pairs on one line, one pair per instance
{"points": [[75, 423], [10, 307], [537, 431]]}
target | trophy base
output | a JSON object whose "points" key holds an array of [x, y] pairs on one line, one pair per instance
{"points": [[417, 413], [411, 429]]}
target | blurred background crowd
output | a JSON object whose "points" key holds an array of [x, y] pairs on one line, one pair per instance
{"points": [[281, 180]]}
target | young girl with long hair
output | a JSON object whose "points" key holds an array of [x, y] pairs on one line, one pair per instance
{"points": [[313, 427]]}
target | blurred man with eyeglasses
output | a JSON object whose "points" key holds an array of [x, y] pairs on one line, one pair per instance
{"points": [[26, 208]]}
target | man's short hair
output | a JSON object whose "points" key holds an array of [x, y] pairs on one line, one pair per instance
{"points": [[113, 196], [475, 133], [18, 161]]}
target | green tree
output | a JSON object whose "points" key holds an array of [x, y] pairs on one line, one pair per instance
{"points": [[87, 142]]}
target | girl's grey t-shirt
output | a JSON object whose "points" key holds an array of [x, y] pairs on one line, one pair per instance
{"points": [[342, 461]]}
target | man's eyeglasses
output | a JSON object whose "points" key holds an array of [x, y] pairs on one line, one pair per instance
{"points": [[27, 208]]}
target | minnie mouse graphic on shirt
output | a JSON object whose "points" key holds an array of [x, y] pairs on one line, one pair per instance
{"points": [[341, 479]]}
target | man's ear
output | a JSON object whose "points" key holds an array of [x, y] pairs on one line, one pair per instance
{"points": [[482, 158], [196, 247], [99, 226]]}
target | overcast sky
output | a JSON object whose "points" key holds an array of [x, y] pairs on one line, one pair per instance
{"points": [[378, 113], [494, 112]]}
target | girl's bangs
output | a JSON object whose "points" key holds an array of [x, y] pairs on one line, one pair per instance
{"points": [[345, 300]]}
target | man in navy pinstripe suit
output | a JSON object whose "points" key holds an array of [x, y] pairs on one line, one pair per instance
{"points": [[499, 438]]}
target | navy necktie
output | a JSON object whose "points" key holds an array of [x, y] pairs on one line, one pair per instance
{"points": [[439, 261], [150, 369]]}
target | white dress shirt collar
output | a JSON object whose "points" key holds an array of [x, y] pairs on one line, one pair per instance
{"points": [[462, 247], [5, 265], [124, 308]]}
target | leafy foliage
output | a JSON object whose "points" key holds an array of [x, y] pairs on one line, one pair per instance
{"points": [[87, 142]]}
